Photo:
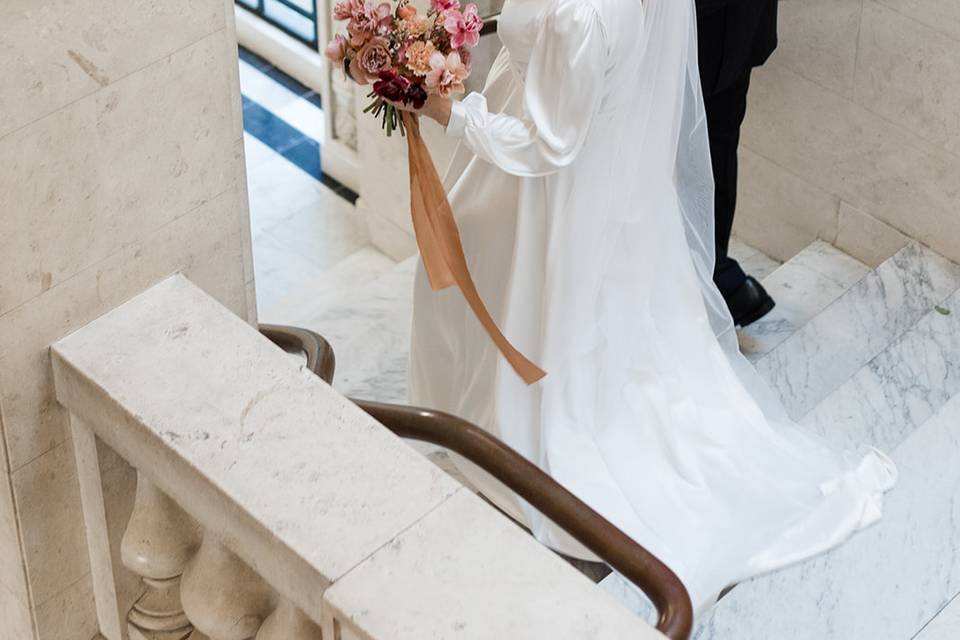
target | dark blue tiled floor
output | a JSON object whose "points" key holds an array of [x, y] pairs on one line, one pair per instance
{"points": [[294, 145], [295, 86]]}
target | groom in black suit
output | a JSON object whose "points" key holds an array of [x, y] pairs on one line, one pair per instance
{"points": [[734, 36]]}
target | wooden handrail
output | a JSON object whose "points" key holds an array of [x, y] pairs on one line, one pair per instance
{"points": [[320, 356], [545, 494], [490, 24]]}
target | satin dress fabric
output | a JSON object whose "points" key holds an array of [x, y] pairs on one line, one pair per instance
{"points": [[573, 191]]}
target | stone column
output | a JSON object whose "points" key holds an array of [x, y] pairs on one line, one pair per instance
{"points": [[159, 540], [223, 597], [288, 623]]}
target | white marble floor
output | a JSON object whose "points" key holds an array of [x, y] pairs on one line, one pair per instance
{"points": [[301, 228]]}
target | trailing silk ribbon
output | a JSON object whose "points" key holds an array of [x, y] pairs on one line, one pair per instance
{"points": [[440, 246]]}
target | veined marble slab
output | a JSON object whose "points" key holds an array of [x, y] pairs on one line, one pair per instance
{"points": [[369, 330], [331, 288], [833, 346], [753, 261], [883, 584], [629, 596], [802, 287], [946, 626], [896, 392]]}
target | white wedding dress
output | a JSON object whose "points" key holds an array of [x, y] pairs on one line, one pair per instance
{"points": [[583, 192]]}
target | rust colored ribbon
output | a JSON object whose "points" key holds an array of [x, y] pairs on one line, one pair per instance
{"points": [[441, 248]]}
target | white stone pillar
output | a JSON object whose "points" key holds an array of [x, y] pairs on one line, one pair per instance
{"points": [[159, 540], [288, 623], [222, 596]]}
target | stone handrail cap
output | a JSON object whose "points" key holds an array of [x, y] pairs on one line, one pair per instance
{"points": [[301, 484]]}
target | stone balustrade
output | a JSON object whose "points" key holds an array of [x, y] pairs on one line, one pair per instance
{"points": [[269, 507]]}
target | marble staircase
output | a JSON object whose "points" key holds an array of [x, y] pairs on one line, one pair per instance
{"points": [[865, 357]]}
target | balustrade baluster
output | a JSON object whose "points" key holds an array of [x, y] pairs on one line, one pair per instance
{"points": [[159, 540], [223, 597], [288, 623]]}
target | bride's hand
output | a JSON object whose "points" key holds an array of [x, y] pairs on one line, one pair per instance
{"points": [[436, 108]]}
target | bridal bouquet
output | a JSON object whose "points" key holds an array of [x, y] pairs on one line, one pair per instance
{"points": [[409, 57], [406, 55]]}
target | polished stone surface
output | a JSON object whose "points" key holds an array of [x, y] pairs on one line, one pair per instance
{"points": [[754, 262], [369, 330], [946, 626], [896, 392], [120, 141], [779, 211], [804, 286], [103, 179], [335, 286], [857, 107], [53, 54], [846, 149], [878, 309], [862, 235], [887, 581], [334, 456], [439, 576], [908, 84], [312, 494]]}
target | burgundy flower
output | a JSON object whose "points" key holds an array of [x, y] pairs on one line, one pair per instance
{"points": [[416, 96], [391, 86]]}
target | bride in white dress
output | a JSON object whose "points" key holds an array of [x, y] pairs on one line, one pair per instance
{"points": [[583, 193]]}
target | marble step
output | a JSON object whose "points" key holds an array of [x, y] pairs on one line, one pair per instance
{"points": [[802, 287], [831, 347], [753, 261], [369, 328], [885, 583], [945, 626], [330, 288], [900, 389]]}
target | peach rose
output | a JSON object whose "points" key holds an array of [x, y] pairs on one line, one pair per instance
{"points": [[418, 57], [372, 59]]}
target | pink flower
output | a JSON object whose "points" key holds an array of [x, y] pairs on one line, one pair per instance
{"points": [[466, 58], [369, 20], [464, 28], [372, 60], [407, 11], [337, 49], [444, 5], [347, 8], [446, 74]]}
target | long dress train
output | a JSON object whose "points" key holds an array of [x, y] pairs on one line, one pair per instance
{"points": [[583, 193]]}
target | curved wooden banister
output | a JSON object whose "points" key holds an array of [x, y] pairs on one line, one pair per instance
{"points": [[490, 25], [320, 356], [592, 530]]}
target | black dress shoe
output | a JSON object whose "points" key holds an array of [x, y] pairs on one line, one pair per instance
{"points": [[749, 303]]}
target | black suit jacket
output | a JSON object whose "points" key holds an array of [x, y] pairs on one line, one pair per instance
{"points": [[734, 36]]}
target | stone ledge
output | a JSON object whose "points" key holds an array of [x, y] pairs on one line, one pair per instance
{"points": [[297, 481]]}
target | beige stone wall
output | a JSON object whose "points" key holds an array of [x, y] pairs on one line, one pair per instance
{"points": [[122, 162], [853, 131]]}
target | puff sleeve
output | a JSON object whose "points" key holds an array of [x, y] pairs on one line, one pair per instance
{"points": [[562, 93]]}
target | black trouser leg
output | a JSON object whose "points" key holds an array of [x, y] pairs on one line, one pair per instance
{"points": [[725, 112]]}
